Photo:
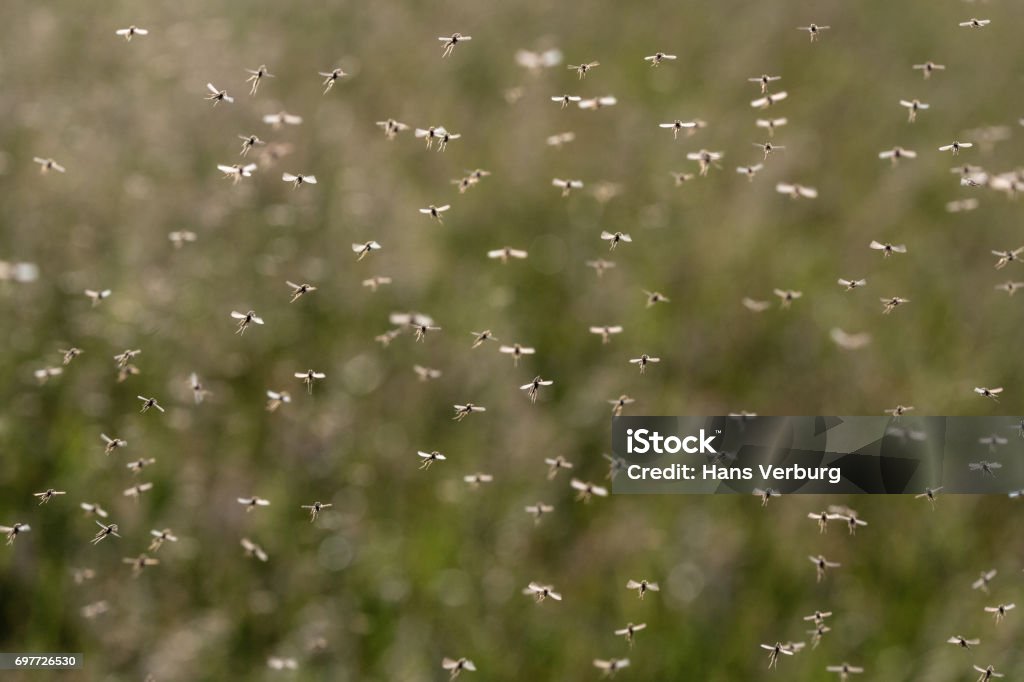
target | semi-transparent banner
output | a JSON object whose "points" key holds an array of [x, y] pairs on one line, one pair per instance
{"points": [[818, 455]]}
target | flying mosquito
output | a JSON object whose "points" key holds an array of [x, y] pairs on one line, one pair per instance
{"points": [[69, 354], [642, 587], [298, 179], [987, 673], [541, 592], [104, 532], [331, 77], [587, 490], [930, 494], [315, 509], [999, 611], [992, 393], [955, 147], [890, 304], [705, 159], [963, 642], [766, 494], [533, 388], [913, 106], [281, 118], [46, 165], [813, 30], [430, 134], [139, 563], [374, 283], [365, 248], [97, 295], [975, 23], [135, 492], [392, 128], [823, 517], [614, 238], [253, 550], [763, 80], [796, 191], [566, 99], [245, 319], [643, 361], [160, 537], [309, 377], [600, 265], [236, 172], [769, 100], [567, 185], [451, 41], [13, 531], [251, 503], [217, 96], [629, 632], [180, 237], [983, 580], [1010, 287], [822, 564], [787, 296], [582, 69], [139, 464], [463, 411], [659, 57], [676, 126], [755, 305], [844, 670], [516, 351], [435, 211], [48, 495], [429, 458], [90, 509], [555, 465], [851, 284], [426, 373], [131, 32], [474, 480], [606, 332], [277, 398], [986, 468], [775, 650], [248, 142], [506, 252], [750, 171], [896, 154], [1008, 256], [611, 666], [771, 124], [928, 68], [538, 510], [456, 666], [256, 76], [619, 404]]}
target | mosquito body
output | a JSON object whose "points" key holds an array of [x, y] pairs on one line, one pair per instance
{"points": [[331, 77], [614, 238], [658, 57], [851, 284], [582, 69], [463, 411], [451, 41], [131, 32], [629, 632], [309, 377], [516, 351], [813, 30], [104, 532], [556, 464], [256, 77], [930, 494], [361, 250], [251, 503], [587, 490], [538, 510], [533, 388], [315, 509], [245, 319], [97, 295], [429, 458], [541, 592], [236, 171], [913, 106], [48, 495], [503, 254], [606, 332], [676, 126], [160, 537], [435, 211], [217, 96], [298, 179], [479, 338], [13, 531], [821, 564]]}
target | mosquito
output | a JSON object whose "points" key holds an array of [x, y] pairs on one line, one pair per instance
{"points": [[541, 592], [275, 399], [533, 388], [611, 666], [993, 441], [48, 495], [1008, 256], [587, 490], [682, 178], [104, 532], [43, 375], [775, 650], [1019, 428], [955, 147], [676, 126], [755, 305], [887, 249], [913, 106], [992, 393], [975, 23], [983, 580], [987, 673], [629, 632], [658, 57], [963, 642], [12, 531], [97, 295], [451, 41], [822, 564], [896, 154], [420, 329], [139, 464], [582, 69], [474, 480], [435, 211], [787, 296], [429, 458], [464, 184], [131, 32], [613, 238], [277, 663], [538, 510], [456, 666], [817, 633], [823, 517], [750, 171], [135, 492], [249, 141], [198, 392], [298, 179], [771, 124], [814, 30], [315, 509], [479, 338], [769, 100], [431, 133], [928, 68], [374, 283], [251, 503], [796, 191], [365, 248], [705, 159], [160, 537], [309, 377], [852, 522], [844, 670], [763, 80], [600, 265], [426, 373], [851, 284], [766, 494], [139, 563], [555, 465], [463, 411], [256, 76], [890, 304], [392, 128], [70, 354], [281, 118], [46, 165], [245, 319], [535, 61], [986, 468], [566, 99], [567, 185], [217, 96], [818, 617], [91, 509], [516, 351], [236, 172], [253, 550], [179, 237], [126, 356], [506, 252], [331, 77], [444, 138], [998, 611], [606, 332], [1010, 287]]}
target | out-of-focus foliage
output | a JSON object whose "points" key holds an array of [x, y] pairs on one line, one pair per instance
{"points": [[410, 566]]}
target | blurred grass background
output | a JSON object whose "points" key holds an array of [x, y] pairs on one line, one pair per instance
{"points": [[410, 566]]}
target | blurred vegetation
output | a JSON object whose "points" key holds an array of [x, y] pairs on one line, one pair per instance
{"points": [[410, 566]]}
